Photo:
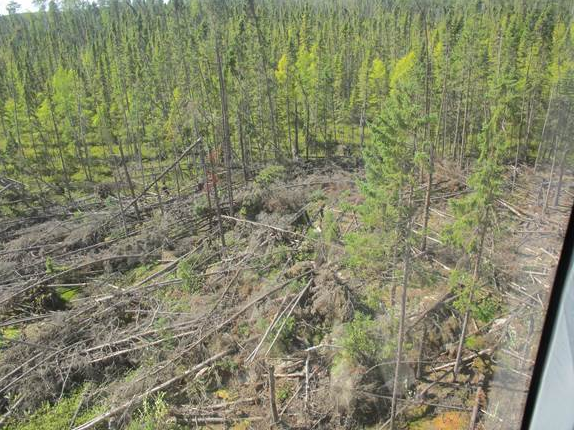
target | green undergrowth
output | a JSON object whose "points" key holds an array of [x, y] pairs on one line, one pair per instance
{"points": [[52, 267], [7, 334], [140, 273], [153, 415], [361, 339], [270, 175], [59, 416], [188, 272], [67, 294]]}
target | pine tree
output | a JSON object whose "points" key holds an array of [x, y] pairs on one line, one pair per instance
{"points": [[389, 187]]}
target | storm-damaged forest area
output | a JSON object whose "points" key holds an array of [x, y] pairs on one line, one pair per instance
{"points": [[302, 214]]}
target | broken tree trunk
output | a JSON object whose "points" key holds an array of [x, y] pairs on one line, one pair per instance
{"points": [[477, 403], [272, 402]]}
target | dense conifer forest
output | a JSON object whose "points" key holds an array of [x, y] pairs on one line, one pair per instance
{"points": [[279, 213]]}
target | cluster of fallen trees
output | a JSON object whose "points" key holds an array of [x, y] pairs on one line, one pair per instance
{"points": [[208, 338]]}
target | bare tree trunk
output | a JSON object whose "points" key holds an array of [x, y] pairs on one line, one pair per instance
{"points": [[334, 119], [419, 369], [547, 195], [60, 150], [537, 161], [127, 173], [401, 335], [178, 173], [158, 192], [225, 125], [242, 148], [307, 120], [518, 145], [272, 401], [464, 123], [205, 178], [362, 121], [16, 119], [560, 175], [442, 114], [529, 121], [426, 211], [296, 129], [444, 125], [122, 211], [217, 207], [293, 154], [454, 142], [499, 56], [264, 72], [394, 284], [471, 296], [426, 214]]}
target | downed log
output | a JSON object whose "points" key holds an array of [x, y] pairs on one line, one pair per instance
{"points": [[204, 420], [420, 395], [139, 398], [514, 210], [464, 359], [247, 306], [217, 406], [281, 230]]}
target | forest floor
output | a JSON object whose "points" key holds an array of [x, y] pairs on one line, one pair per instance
{"points": [[114, 322]]}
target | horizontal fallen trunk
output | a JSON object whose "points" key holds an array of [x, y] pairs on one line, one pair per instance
{"points": [[188, 411], [200, 420], [138, 399], [464, 359]]}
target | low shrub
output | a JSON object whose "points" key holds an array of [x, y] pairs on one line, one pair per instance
{"points": [[269, 175], [361, 340]]}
